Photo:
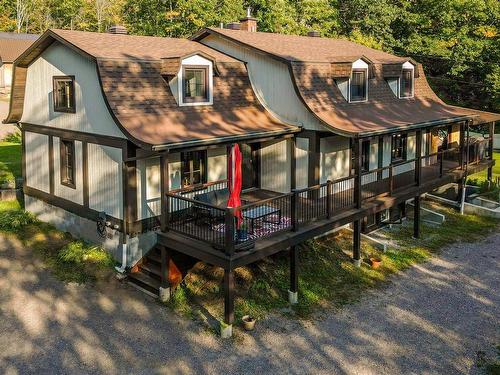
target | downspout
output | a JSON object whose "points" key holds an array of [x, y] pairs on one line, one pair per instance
{"points": [[464, 183]]}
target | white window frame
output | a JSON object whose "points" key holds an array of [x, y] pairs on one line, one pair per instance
{"points": [[359, 65], [407, 66], [195, 60]]}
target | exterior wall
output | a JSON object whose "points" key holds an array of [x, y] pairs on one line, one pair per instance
{"points": [[275, 166], [37, 161], [217, 164], [301, 163], [335, 155], [271, 82], [92, 115], [105, 179], [6, 76], [60, 190]]}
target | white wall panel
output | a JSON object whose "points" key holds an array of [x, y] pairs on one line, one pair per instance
{"points": [[301, 163], [92, 115], [275, 166], [105, 179], [148, 188], [37, 161], [334, 158], [60, 190], [217, 164]]}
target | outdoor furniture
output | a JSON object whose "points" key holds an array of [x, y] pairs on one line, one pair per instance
{"points": [[217, 198], [261, 213]]}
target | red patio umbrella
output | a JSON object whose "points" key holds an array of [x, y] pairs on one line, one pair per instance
{"points": [[234, 182]]}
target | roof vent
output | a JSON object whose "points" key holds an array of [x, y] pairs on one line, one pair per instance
{"points": [[313, 34], [117, 29], [233, 26]]}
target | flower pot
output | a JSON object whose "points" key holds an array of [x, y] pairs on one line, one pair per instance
{"points": [[242, 234], [375, 262], [248, 322]]}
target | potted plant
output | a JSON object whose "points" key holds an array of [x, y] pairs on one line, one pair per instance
{"points": [[248, 322], [375, 262], [242, 232]]}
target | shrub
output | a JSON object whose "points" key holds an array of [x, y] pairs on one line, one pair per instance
{"points": [[15, 220], [13, 137], [80, 253]]}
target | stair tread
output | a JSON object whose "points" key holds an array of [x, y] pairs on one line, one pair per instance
{"points": [[145, 279], [152, 268]]}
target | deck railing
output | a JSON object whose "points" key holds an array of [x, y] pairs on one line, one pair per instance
{"points": [[220, 226]]}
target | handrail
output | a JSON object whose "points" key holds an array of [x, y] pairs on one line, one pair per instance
{"points": [[263, 201], [189, 189], [194, 201]]}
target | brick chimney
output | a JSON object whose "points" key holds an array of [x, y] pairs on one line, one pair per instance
{"points": [[117, 29], [233, 26], [248, 23]]}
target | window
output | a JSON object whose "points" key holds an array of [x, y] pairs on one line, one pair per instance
{"points": [[406, 84], [64, 94], [343, 85], [398, 147], [195, 85], [67, 154], [358, 85], [365, 156], [193, 168]]}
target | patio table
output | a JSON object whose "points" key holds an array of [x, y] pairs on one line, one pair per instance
{"points": [[261, 212]]}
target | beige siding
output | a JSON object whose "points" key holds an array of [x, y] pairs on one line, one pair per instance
{"points": [[334, 158], [302, 163], [275, 166], [37, 161], [148, 188], [60, 190], [92, 115], [105, 179], [271, 82], [217, 164]]}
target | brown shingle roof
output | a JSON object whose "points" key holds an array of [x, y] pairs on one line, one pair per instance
{"points": [[141, 100], [12, 45], [315, 62]]}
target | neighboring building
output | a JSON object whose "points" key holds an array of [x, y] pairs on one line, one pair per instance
{"points": [[126, 142], [11, 46]]}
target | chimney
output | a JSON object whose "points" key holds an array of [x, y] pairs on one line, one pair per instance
{"points": [[313, 34], [233, 26], [117, 29], [248, 23]]}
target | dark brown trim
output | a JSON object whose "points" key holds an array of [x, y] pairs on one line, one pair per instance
{"points": [[103, 140], [72, 108], [164, 187], [63, 179], [70, 206], [85, 173], [51, 165], [130, 184], [23, 155]]}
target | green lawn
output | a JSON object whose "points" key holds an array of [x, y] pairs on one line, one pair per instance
{"points": [[481, 176], [10, 161], [327, 275]]}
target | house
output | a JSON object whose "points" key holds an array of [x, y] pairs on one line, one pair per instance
{"points": [[11, 46], [126, 142]]}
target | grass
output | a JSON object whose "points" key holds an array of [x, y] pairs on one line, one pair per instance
{"points": [[482, 176], [10, 159], [327, 275], [68, 259], [490, 364]]}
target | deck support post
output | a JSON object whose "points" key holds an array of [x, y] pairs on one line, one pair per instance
{"points": [[164, 187], [226, 329], [356, 243], [357, 171], [490, 149], [418, 161], [294, 275], [416, 217], [165, 291]]}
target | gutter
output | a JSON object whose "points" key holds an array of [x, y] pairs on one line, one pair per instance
{"points": [[211, 141]]}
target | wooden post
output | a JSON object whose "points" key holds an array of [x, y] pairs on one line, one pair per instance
{"points": [[462, 145], [229, 227], [391, 179], [329, 195], [293, 163], [294, 275], [416, 217], [418, 161], [380, 158], [164, 187], [357, 172], [356, 243], [294, 210], [165, 291], [228, 297], [490, 150]]}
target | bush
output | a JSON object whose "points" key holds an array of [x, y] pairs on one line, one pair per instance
{"points": [[79, 253], [15, 220], [13, 137]]}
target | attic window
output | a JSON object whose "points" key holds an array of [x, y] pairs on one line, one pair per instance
{"points": [[64, 94], [406, 84], [358, 86], [195, 84]]}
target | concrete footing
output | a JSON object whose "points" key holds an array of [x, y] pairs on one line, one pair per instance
{"points": [[293, 297], [226, 330], [357, 262], [165, 294]]}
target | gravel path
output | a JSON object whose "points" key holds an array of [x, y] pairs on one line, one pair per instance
{"points": [[434, 318]]}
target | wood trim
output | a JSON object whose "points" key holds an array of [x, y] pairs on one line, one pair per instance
{"points": [[71, 79], [103, 140], [293, 164], [164, 187], [85, 174], [70, 206], [51, 165], [23, 155], [62, 158]]}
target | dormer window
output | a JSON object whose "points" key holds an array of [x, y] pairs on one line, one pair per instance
{"points": [[358, 86], [406, 84], [401, 80], [195, 85]]}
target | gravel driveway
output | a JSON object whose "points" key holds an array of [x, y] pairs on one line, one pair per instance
{"points": [[431, 319]]}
